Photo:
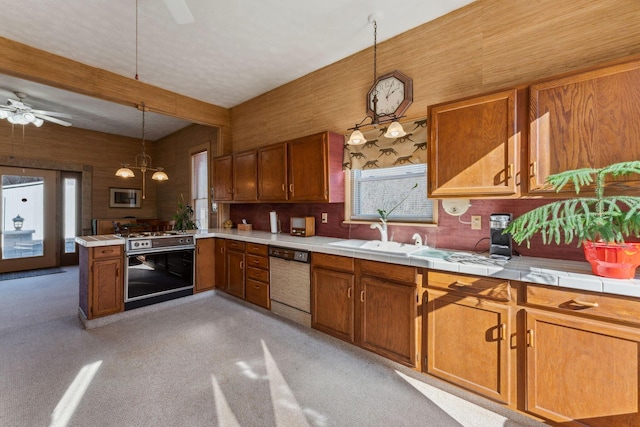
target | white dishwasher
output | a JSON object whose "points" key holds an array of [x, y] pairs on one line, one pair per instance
{"points": [[290, 284]]}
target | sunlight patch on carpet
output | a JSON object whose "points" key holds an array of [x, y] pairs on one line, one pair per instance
{"points": [[226, 418], [67, 406], [466, 413]]}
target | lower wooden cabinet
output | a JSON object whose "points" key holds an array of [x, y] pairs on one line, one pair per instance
{"points": [[468, 343], [582, 372], [205, 265], [257, 275], [332, 303], [235, 267], [101, 280], [371, 304]]}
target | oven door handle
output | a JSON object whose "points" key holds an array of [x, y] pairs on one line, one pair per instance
{"points": [[160, 250]]}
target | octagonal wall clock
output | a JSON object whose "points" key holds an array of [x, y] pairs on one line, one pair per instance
{"points": [[395, 95]]}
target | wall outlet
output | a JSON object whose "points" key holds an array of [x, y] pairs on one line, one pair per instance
{"points": [[476, 222], [325, 218]]}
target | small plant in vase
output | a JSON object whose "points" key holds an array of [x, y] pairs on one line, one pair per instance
{"points": [[599, 223], [384, 215]]}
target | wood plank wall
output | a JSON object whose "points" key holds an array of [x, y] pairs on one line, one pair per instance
{"points": [[485, 46]]}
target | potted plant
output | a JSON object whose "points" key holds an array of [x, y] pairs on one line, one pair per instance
{"points": [[184, 216], [599, 223]]}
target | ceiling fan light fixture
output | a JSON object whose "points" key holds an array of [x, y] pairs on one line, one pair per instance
{"points": [[28, 116], [4, 114], [38, 122], [395, 130], [125, 172], [356, 138]]}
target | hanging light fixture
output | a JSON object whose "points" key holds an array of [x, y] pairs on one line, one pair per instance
{"points": [[394, 103], [143, 163]]}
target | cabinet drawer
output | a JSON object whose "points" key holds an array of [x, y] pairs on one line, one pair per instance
{"points": [[257, 249], [583, 302], [332, 262], [258, 261], [257, 293], [393, 272], [258, 274], [479, 286], [107, 251], [234, 245]]}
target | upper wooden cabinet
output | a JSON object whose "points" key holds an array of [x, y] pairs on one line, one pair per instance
{"points": [[245, 176], [222, 178], [272, 173], [584, 120], [474, 146], [315, 168], [307, 169]]}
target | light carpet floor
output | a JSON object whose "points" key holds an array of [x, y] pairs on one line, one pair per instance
{"points": [[208, 360]]}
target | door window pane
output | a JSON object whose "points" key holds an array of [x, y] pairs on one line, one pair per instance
{"points": [[199, 186], [70, 188], [23, 216]]}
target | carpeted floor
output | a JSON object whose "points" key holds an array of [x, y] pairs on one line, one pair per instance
{"points": [[209, 360]]}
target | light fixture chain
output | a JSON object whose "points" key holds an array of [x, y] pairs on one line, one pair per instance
{"points": [[137, 40], [375, 50]]}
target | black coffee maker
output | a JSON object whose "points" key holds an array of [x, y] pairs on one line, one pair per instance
{"points": [[500, 244]]}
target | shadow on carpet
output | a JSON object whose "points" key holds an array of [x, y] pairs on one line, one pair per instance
{"points": [[30, 273]]}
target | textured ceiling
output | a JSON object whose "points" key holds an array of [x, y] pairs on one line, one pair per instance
{"points": [[234, 51]]}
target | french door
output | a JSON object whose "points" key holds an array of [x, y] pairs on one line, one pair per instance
{"points": [[29, 218]]}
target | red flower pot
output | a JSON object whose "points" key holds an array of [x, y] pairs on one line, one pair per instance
{"points": [[615, 260]]}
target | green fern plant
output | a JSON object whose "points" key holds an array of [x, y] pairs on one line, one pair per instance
{"points": [[598, 218]]}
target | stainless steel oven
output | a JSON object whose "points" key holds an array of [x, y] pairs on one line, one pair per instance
{"points": [[160, 267]]}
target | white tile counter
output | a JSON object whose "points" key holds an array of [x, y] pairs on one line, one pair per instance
{"points": [[545, 271], [102, 240]]}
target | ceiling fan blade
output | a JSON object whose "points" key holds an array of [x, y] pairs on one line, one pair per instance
{"points": [[180, 11], [17, 104], [51, 113], [53, 120]]}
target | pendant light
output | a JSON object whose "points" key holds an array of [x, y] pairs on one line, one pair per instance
{"points": [[143, 162], [395, 129]]}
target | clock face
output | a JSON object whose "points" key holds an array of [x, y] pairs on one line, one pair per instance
{"points": [[394, 94], [390, 92]]}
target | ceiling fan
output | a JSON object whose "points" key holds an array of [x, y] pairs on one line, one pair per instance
{"points": [[19, 113]]}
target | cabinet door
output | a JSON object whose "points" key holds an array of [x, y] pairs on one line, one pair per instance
{"points": [[388, 314], [332, 303], [258, 293], [245, 175], [473, 146], [205, 264], [468, 343], [308, 169], [222, 178], [272, 173], [582, 372], [220, 270], [587, 120], [235, 273], [108, 287]]}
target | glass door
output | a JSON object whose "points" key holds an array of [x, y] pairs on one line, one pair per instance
{"points": [[28, 219], [71, 184]]}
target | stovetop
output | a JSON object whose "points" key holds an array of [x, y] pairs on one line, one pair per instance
{"points": [[151, 241]]}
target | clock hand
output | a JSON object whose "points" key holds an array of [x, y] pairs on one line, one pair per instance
{"points": [[391, 93]]}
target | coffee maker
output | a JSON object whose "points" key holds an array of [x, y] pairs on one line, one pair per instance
{"points": [[500, 244]]}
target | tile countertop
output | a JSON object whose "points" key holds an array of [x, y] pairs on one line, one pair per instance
{"points": [[552, 272]]}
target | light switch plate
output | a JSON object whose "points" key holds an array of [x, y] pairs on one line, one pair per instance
{"points": [[325, 218]]}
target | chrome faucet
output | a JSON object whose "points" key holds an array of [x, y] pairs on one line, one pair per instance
{"points": [[382, 228], [417, 239]]}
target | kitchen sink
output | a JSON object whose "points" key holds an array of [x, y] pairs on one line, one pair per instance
{"points": [[425, 252], [377, 246]]}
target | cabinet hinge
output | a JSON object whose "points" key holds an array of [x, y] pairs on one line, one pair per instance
{"points": [[424, 362]]}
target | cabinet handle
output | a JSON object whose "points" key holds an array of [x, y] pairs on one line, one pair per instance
{"points": [[534, 169], [107, 251], [222, 250], [291, 188], [257, 287], [503, 331], [583, 303], [510, 171], [361, 296], [530, 338], [461, 284], [284, 188], [241, 265], [349, 292], [256, 261]]}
